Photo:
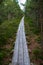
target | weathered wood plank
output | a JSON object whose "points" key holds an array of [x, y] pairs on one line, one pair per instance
{"points": [[20, 55]]}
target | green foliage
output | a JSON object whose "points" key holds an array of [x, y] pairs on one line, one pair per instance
{"points": [[10, 16], [32, 25], [1, 1], [32, 13], [2, 55], [38, 39], [9, 9], [38, 53], [8, 30]]}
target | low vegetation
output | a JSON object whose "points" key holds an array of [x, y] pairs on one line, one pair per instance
{"points": [[10, 16], [34, 29]]}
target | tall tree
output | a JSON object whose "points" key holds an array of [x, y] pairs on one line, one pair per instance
{"points": [[41, 18], [34, 10], [9, 9]]}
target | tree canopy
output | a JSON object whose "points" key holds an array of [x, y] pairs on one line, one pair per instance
{"points": [[9, 9]]}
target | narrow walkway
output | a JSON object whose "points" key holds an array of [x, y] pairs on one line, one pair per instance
{"points": [[20, 55]]}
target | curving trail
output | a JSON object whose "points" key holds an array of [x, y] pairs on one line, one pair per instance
{"points": [[20, 55]]}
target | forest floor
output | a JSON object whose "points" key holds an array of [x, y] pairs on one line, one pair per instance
{"points": [[34, 45]]}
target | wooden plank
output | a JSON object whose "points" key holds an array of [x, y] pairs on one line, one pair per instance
{"points": [[21, 56]]}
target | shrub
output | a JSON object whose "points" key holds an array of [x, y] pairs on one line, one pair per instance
{"points": [[38, 53]]}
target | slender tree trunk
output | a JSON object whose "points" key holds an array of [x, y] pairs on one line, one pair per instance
{"points": [[41, 20]]}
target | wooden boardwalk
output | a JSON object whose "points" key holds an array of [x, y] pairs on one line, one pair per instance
{"points": [[20, 55]]}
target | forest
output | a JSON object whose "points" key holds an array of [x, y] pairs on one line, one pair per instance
{"points": [[34, 30], [10, 16]]}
